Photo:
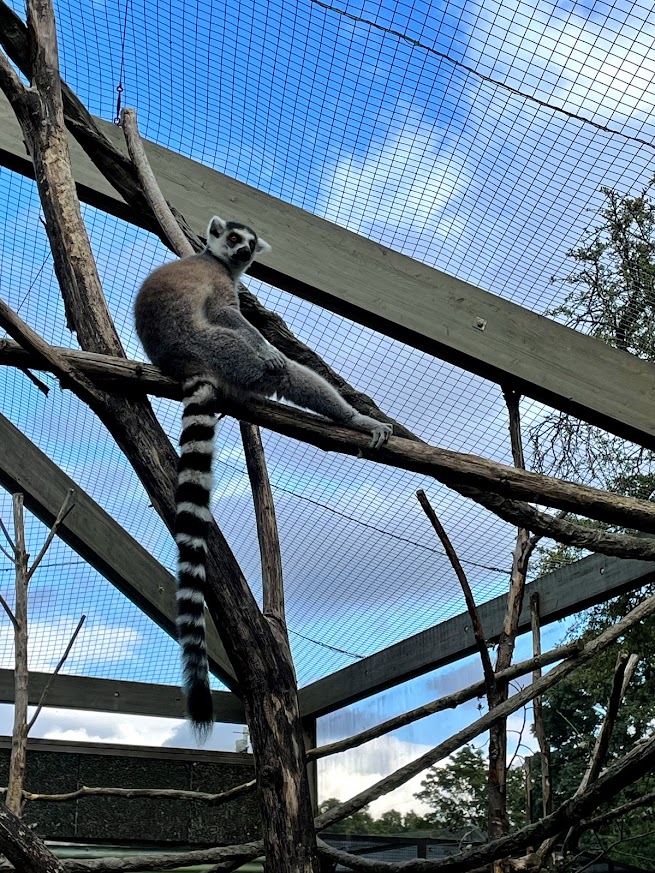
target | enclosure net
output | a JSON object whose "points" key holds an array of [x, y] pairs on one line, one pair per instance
{"points": [[472, 137]]}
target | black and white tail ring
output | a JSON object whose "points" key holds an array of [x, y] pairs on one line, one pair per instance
{"points": [[193, 517]]}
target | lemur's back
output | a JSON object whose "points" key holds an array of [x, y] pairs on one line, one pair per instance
{"points": [[170, 305]]}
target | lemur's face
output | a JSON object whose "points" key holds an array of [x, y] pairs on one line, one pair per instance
{"points": [[234, 243]]}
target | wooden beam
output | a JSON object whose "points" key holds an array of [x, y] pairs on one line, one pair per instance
{"points": [[391, 293], [562, 592], [111, 695], [96, 537]]}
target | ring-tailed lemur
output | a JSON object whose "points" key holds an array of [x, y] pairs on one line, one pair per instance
{"points": [[189, 322]]}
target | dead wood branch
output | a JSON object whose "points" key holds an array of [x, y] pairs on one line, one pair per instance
{"points": [[623, 671], [537, 709], [166, 793], [619, 811], [167, 861], [590, 650], [498, 822], [557, 528], [267, 532], [66, 507], [56, 671], [449, 701], [156, 200], [17, 760], [466, 474], [478, 630], [622, 773], [25, 850]]}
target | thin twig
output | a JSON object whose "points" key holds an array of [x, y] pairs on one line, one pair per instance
{"points": [[8, 609], [6, 554], [3, 528], [165, 793], [53, 676], [478, 630], [43, 388], [66, 507]]}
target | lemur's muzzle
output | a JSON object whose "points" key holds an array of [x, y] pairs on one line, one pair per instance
{"points": [[243, 254]]}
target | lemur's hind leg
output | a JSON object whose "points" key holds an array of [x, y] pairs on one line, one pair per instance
{"points": [[306, 388]]}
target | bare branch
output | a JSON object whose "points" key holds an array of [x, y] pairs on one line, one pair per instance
{"points": [[42, 387], [3, 528], [17, 759], [162, 793], [540, 733], [167, 861], [590, 650], [620, 774], [48, 355], [267, 531], [66, 507], [449, 701], [23, 848], [60, 664], [466, 474], [478, 630], [156, 200], [7, 608], [11, 85]]}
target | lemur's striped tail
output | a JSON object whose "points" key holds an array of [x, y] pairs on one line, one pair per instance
{"points": [[193, 517]]}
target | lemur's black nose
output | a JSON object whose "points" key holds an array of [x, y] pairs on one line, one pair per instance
{"points": [[242, 254]]}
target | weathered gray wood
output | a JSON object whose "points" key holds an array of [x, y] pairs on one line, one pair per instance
{"points": [[96, 537], [562, 592], [390, 292], [112, 695]]}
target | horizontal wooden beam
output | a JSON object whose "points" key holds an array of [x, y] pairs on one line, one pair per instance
{"points": [[389, 292], [111, 695], [96, 537], [562, 592]]}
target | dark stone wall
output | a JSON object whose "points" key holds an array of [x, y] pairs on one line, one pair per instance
{"points": [[58, 767]]}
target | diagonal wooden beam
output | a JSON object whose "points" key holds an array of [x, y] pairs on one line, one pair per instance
{"points": [[389, 292], [562, 592], [96, 537]]}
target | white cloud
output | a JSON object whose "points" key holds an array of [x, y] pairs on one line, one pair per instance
{"points": [[406, 181], [347, 774], [48, 640]]}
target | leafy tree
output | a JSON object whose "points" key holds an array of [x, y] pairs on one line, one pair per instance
{"points": [[612, 297], [458, 793]]}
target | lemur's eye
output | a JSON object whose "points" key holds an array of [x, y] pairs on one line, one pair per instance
{"points": [[233, 239], [252, 245]]}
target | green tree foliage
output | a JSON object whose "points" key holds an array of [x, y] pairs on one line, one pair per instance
{"points": [[362, 822], [457, 792], [612, 297]]}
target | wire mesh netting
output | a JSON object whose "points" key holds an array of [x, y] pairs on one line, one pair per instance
{"points": [[473, 137]]}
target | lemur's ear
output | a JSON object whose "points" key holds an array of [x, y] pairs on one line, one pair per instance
{"points": [[262, 246], [216, 227]]}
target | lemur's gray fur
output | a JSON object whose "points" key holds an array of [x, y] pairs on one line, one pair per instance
{"points": [[190, 324]]}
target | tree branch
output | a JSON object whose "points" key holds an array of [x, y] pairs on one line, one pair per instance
{"points": [[539, 730], [267, 532], [53, 676], [478, 630], [23, 848], [165, 793], [622, 773], [466, 474], [156, 200], [590, 650], [66, 507]]}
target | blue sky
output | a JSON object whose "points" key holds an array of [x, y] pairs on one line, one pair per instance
{"points": [[382, 134]]}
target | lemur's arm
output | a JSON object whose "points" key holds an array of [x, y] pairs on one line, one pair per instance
{"points": [[231, 318]]}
